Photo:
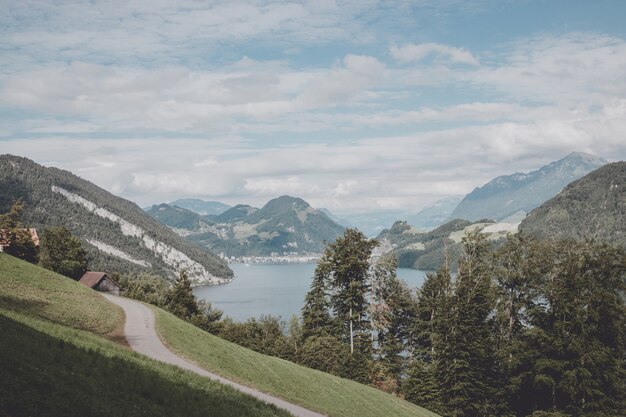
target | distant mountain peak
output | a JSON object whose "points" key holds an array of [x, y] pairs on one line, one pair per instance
{"points": [[507, 194]]}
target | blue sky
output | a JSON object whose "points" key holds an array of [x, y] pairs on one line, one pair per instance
{"points": [[356, 106]]}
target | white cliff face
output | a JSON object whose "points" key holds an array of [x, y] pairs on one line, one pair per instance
{"points": [[111, 250], [172, 257]]}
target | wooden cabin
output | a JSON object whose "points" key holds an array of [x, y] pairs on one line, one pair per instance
{"points": [[100, 281]]}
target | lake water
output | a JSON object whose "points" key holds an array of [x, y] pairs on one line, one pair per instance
{"points": [[276, 289]]}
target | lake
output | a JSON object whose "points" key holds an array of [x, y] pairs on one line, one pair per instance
{"points": [[276, 289]]}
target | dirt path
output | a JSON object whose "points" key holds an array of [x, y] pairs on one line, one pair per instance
{"points": [[142, 337]]}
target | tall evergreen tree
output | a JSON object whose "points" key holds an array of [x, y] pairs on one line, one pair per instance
{"points": [[467, 359], [349, 264], [180, 299], [316, 319], [393, 311]]}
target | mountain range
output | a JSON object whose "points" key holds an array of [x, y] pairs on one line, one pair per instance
{"points": [[591, 207], [117, 234], [200, 206], [284, 226], [522, 192]]}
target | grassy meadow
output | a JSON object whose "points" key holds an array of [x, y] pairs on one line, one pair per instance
{"points": [[55, 362]]}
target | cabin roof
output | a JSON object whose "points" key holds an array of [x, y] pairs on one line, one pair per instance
{"points": [[91, 278]]}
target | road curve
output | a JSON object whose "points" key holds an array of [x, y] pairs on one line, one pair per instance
{"points": [[142, 337]]}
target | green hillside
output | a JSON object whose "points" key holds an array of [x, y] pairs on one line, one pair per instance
{"points": [[55, 361], [57, 325], [118, 235], [591, 207], [309, 388]]}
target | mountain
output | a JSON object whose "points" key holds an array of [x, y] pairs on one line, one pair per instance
{"points": [[340, 221], [233, 214], [178, 218], [435, 214], [200, 206], [118, 235], [509, 194], [593, 206], [284, 226]]}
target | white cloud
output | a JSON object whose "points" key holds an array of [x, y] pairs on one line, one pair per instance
{"points": [[572, 68], [419, 52]]}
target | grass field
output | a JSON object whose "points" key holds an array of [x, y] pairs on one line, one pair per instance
{"points": [[307, 387], [55, 362]]}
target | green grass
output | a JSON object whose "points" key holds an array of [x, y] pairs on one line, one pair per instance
{"points": [[55, 362], [307, 387], [37, 292]]}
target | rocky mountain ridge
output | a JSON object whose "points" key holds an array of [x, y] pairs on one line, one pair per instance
{"points": [[510, 194]]}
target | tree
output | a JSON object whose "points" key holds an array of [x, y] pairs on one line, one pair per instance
{"points": [[63, 253], [316, 319], [16, 237], [574, 350], [349, 263], [467, 360], [180, 299], [393, 312]]}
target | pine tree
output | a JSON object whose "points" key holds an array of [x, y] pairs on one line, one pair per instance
{"points": [[421, 386], [392, 312], [180, 299], [465, 363], [316, 319], [349, 263]]}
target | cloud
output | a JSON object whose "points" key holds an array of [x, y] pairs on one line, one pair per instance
{"points": [[179, 99], [574, 67], [446, 53]]}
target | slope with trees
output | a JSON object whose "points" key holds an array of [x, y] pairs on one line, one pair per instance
{"points": [[117, 234], [591, 207]]}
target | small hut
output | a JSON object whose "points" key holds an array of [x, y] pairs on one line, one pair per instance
{"points": [[100, 281]]}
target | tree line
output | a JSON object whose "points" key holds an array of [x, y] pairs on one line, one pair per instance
{"points": [[532, 328]]}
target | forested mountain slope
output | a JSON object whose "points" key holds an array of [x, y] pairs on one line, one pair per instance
{"points": [[593, 206], [117, 233]]}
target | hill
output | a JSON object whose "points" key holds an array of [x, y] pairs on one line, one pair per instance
{"points": [[59, 362], [509, 194], [427, 250], [284, 226], [181, 220], [201, 207], [593, 206], [54, 348], [117, 234]]}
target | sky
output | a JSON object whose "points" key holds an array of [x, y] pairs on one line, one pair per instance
{"points": [[356, 106]]}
